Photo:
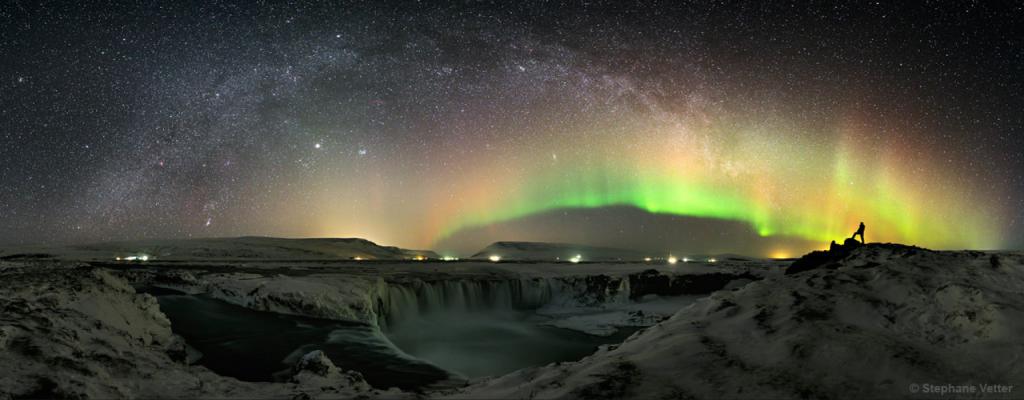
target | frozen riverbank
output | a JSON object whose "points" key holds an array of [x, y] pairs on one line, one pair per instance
{"points": [[419, 291], [869, 324], [81, 332], [881, 322], [593, 298]]}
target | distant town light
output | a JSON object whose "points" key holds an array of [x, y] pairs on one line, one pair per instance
{"points": [[647, 259], [494, 258], [142, 257], [449, 258], [712, 260], [357, 258], [685, 259], [672, 260], [419, 258], [576, 259]]}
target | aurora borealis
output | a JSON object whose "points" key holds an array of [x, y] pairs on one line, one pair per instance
{"points": [[414, 124], [669, 176]]}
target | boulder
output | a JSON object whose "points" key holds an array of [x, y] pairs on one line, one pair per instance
{"points": [[824, 259], [316, 363], [315, 369]]}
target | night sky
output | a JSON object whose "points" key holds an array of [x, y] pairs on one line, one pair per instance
{"points": [[764, 129]]}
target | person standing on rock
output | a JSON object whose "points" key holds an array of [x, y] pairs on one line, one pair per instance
{"points": [[860, 231]]}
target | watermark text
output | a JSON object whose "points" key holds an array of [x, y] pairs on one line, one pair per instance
{"points": [[960, 389]]}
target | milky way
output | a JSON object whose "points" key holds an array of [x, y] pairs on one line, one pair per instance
{"points": [[413, 124]]}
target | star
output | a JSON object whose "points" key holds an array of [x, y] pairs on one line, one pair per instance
{"points": [[664, 110]]}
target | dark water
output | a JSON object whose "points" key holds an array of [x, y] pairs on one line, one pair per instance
{"points": [[254, 346], [477, 344], [261, 346]]}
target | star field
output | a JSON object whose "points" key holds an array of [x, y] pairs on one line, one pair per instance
{"points": [[410, 122]]}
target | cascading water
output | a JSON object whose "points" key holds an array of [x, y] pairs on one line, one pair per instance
{"points": [[414, 298], [470, 325], [479, 327], [262, 346]]}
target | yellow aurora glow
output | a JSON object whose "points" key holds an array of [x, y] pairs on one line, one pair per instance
{"points": [[779, 187], [769, 175]]}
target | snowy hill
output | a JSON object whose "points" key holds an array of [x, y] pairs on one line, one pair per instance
{"points": [[873, 321], [884, 321], [538, 251], [242, 248]]}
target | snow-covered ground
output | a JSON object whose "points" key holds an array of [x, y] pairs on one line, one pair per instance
{"points": [[606, 319], [886, 321], [71, 331], [591, 298], [889, 322]]}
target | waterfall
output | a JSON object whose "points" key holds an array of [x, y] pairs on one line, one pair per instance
{"points": [[407, 298], [411, 298]]}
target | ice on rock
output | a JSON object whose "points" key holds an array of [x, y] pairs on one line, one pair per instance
{"points": [[875, 321], [85, 333], [317, 363], [316, 369]]}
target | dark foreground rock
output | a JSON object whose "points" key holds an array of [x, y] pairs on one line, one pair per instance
{"points": [[828, 259], [82, 333], [882, 322], [653, 282]]}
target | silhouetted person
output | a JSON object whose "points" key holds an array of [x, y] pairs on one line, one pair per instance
{"points": [[860, 231]]}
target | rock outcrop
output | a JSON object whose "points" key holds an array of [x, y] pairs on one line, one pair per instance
{"points": [[884, 321], [824, 259], [81, 332], [316, 369]]}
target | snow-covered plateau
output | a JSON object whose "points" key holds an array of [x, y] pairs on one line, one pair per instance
{"points": [[883, 321]]}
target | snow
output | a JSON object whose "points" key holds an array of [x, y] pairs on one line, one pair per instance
{"points": [[888, 317], [334, 296], [884, 318], [606, 319], [80, 332], [595, 298]]}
